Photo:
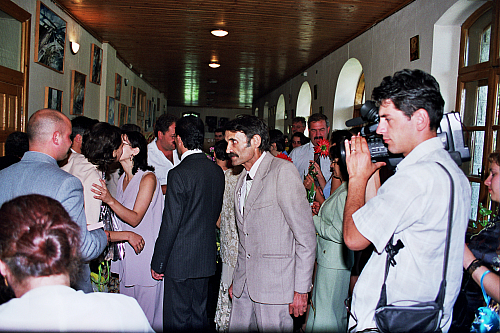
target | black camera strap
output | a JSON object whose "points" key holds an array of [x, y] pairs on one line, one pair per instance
{"points": [[392, 250]]}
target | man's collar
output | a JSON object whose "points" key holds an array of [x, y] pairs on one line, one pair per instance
{"points": [[422, 149], [190, 152], [255, 166]]}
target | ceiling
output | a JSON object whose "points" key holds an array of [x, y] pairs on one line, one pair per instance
{"points": [[269, 41]]}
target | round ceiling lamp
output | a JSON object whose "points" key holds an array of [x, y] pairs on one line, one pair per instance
{"points": [[214, 65], [219, 32]]}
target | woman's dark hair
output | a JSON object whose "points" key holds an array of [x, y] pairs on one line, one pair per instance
{"points": [[220, 150], [303, 139], [494, 157], [98, 145], [276, 136], [137, 140], [337, 142], [38, 238]]}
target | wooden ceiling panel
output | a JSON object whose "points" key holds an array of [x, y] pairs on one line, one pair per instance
{"points": [[269, 41]]}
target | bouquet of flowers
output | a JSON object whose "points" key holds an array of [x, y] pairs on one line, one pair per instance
{"points": [[284, 156], [322, 148]]}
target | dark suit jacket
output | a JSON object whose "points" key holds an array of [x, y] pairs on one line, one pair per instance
{"points": [[186, 244]]}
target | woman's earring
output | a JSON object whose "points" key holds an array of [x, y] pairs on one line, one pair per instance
{"points": [[131, 157], [6, 282]]}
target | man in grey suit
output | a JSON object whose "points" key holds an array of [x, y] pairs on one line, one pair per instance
{"points": [[276, 232], [38, 173]]}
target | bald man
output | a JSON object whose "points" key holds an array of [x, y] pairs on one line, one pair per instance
{"points": [[38, 173]]}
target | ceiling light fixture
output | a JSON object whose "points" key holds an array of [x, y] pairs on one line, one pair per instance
{"points": [[219, 32], [214, 64]]}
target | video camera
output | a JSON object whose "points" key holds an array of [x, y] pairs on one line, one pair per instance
{"points": [[449, 131]]}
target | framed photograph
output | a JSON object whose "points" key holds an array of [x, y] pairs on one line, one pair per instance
{"points": [[95, 64], [414, 48], [211, 123], [53, 99], [110, 110], [129, 115], [123, 114], [222, 121], [118, 86], [133, 96], [77, 93], [50, 38]]}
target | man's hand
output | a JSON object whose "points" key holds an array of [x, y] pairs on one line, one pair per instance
{"points": [[358, 159], [156, 276], [299, 305]]}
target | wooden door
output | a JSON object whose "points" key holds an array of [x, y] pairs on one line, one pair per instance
{"points": [[11, 111]]}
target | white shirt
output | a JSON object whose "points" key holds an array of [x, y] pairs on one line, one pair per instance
{"points": [[252, 172], [190, 152], [413, 204], [302, 155], [61, 308], [160, 162]]}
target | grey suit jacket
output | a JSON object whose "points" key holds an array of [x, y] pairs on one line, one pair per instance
{"points": [[38, 173], [277, 236]]}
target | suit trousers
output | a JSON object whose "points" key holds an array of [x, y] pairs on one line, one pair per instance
{"points": [[185, 304], [250, 316]]}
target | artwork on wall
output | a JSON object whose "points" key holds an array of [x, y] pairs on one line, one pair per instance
{"points": [[95, 64], [414, 48], [110, 110], [118, 86], [211, 123], [77, 93], [129, 115], [222, 121], [122, 114], [53, 99], [50, 38], [133, 96]]}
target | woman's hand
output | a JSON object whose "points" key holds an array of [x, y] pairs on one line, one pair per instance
{"points": [[136, 241], [315, 207], [317, 169], [308, 182], [102, 192]]}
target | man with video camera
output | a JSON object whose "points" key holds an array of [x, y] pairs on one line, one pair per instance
{"points": [[411, 206]]}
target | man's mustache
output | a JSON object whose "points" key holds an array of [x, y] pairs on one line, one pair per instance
{"points": [[232, 155], [318, 138]]}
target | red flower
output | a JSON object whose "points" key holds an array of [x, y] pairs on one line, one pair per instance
{"points": [[283, 156], [322, 147]]}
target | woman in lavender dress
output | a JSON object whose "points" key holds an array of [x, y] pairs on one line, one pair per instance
{"points": [[138, 206]]}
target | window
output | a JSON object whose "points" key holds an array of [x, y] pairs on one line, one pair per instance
{"points": [[304, 103], [280, 114]]}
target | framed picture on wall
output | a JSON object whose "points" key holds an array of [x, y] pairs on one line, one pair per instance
{"points": [[118, 86], [133, 96], [110, 110], [222, 121], [129, 115], [53, 99], [50, 38], [414, 48], [77, 93], [211, 123], [95, 64], [122, 118]]}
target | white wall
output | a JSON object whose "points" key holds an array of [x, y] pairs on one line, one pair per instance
{"points": [[384, 49]]}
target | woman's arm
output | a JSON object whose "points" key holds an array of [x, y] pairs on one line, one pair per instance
{"points": [[142, 202], [491, 281], [135, 240]]}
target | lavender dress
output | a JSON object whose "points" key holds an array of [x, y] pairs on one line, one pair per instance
{"points": [[135, 270]]}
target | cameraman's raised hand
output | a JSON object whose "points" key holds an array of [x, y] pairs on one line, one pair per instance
{"points": [[358, 159]]}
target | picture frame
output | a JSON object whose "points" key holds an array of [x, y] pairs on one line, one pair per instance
{"points": [[50, 38], [110, 110], [129, 115], [77, 100], [53, 99], [414, 48], [211, 123], [122, 114], [133, 96], [118, 86], [222, 121], [96, 64]]}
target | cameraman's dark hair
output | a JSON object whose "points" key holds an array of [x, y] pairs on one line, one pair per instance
{"points": [[38, 238], [337, 142], [250, 126], [411, 90], [137, 140], [317, 117], [494, 157], [276, 136], [81, 125], [299, 120], [99, 144], [192, 132], [17, 144], [164, 122], [220, 150], [303, 139], [130, 128]]}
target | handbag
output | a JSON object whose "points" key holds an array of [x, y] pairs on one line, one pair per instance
{"points": [[420, 317], [486, 319]]}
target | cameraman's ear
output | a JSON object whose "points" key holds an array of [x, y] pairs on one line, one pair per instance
{"points": [[421, 118]]}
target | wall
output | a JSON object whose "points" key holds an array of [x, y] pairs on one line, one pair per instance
{"points": [[384, 49], [95, 95]]}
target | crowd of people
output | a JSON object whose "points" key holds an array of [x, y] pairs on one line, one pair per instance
{"points": [[305, 228]]}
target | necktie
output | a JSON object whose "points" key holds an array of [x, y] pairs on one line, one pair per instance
{"points": [[248, 185]]}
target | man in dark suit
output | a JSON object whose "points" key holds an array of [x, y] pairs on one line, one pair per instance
{"points": [[185, 251]]}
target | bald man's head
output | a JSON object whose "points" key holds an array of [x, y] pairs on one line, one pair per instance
{"points": [[48, 132]]}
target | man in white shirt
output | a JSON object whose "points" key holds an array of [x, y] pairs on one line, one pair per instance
{"points": [[319, 129], [412, 205], [161, 152]]}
